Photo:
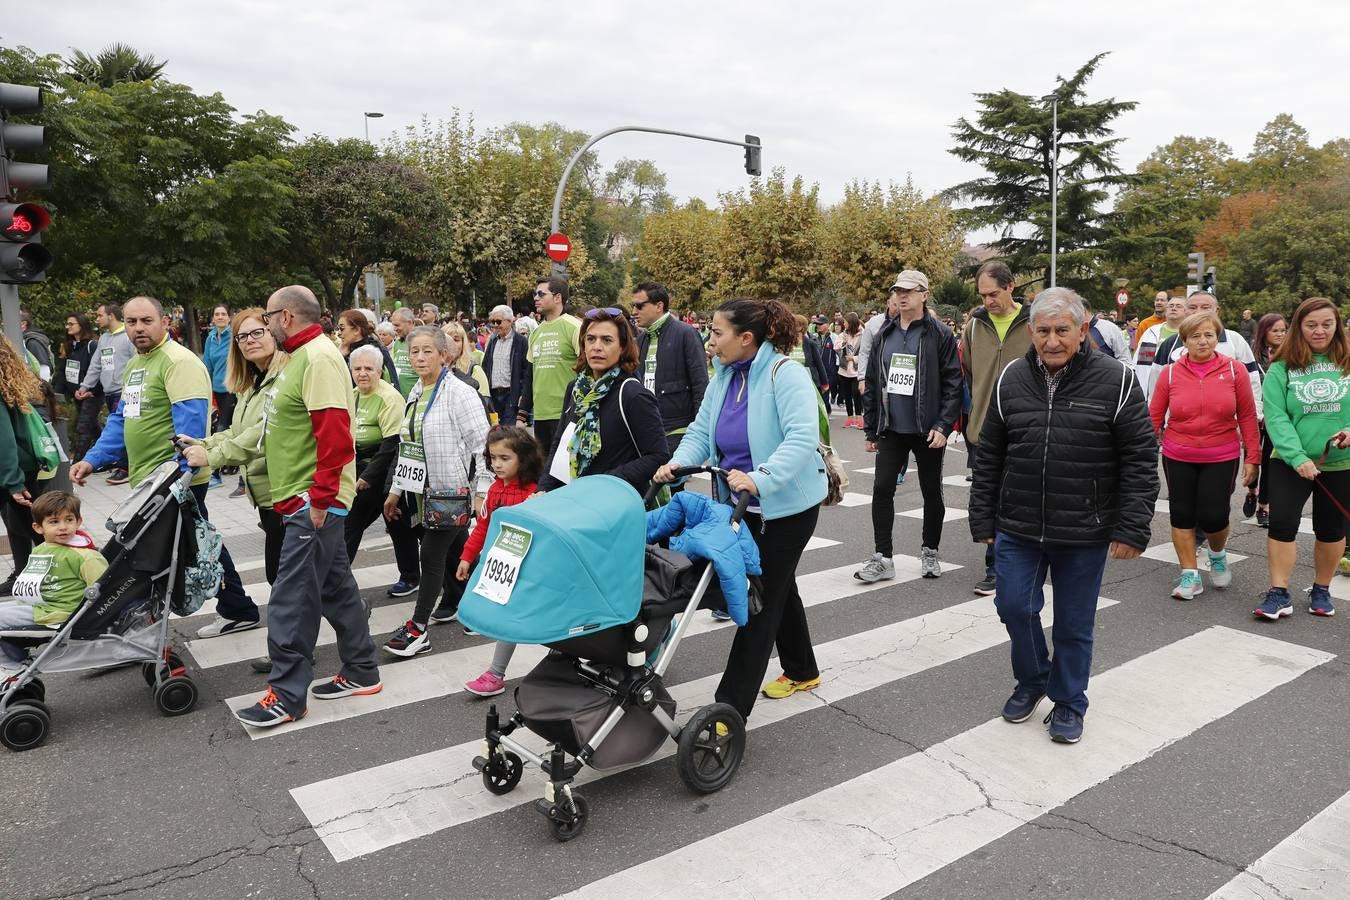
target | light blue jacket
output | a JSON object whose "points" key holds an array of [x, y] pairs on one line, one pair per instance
{"points": [[784, 427], [216, 353]]}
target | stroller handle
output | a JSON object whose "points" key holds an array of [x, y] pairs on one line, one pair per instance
{"points": [[742, 502]]}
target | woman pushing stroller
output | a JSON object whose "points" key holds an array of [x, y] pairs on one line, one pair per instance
{"points": [[759, 422]]}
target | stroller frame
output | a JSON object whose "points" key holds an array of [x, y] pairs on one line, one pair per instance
{"points": [[717, 728], [25, 719]]}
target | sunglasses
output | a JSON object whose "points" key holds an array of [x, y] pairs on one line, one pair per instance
{"points": [[246, 336], [607, 311], [637, 306], [543, 294], [495, 321]]}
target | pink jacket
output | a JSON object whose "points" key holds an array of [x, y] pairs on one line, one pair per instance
{"points": [[1209, 418]]}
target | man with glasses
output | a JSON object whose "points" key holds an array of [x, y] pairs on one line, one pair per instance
{"points": [[505, 362], [311, 467], [996, 335], [670, 358], [166, 391], [553, 352], [431, 313], [404, 320], [105, 370]]}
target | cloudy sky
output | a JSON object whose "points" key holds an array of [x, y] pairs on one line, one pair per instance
{"points": [[837, 91]]}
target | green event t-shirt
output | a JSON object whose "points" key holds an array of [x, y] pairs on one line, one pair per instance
{"points": [[1165, 332], [64, 572], [553, 353], [406, 376], [1304, 409], [316, 377], [378, 415], [151, 383], [1003, 323]]}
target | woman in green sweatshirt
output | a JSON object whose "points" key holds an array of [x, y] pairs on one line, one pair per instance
{"points": [[1308, 420]]}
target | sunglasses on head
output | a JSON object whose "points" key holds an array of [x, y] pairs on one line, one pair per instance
{"points": [[607, 311]]}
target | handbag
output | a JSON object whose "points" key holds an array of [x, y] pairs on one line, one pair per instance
{"points": [[836, 476], [443, 510], [42, 438]]}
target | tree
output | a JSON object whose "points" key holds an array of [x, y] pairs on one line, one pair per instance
{"points": [[1011, 140], [769, 241], [115, 64], [679, 248], [873, 233], [628, 193], [1235, 215], [1281, 156]]}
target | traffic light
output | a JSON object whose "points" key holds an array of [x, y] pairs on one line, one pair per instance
{"points": [[752, 155], [23, 259], [1208, 284], [1195, 268]]}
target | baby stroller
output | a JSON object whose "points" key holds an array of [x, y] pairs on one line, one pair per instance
{"points": [[161, 559], [564, 570]]}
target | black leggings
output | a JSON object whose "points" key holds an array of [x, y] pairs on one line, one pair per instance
{"points": [[1198, 493], [782, 621], [440, 558], [1289, 493], [893, 458], [1263, 483], [848, 390]]}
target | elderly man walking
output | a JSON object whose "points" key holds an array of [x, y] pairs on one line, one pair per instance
{"points": [[504, 359], [1067, 473]]}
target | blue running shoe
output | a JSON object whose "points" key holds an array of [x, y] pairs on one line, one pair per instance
{"points": [[1022, 704], [1319, 601], [1275, 605], [1066, 726]]}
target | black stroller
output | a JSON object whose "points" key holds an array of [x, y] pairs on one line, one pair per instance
{"points": [[563, 571], [161, 559]]}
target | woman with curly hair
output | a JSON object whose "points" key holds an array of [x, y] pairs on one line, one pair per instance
{"points": [[19, 391]]}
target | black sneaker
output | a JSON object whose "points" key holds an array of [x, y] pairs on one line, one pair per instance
{"points": [[267, 712], [1022, 704], [443, 615], [987, 586], [118, 476], [1263, 518], [1066, 726], [7, 587], [409, 640], [341, 687], [1249, 505], [262, 665], [402, 588]]}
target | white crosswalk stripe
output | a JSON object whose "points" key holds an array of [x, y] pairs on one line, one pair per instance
{"points": [[1314, 861]]}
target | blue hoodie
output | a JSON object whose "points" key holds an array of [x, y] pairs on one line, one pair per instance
{"points": [[216, 353]]}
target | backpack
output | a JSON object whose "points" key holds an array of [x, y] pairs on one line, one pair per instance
{"points": [[835, 473], [1098, 341], [202, 575]]}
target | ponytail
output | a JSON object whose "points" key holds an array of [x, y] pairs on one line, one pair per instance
{"points": [[766, 320]]}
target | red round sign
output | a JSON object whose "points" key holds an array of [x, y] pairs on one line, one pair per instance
{"points": [[1123, 298], [558, 247]]}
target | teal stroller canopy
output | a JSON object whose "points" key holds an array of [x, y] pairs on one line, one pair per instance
{"points": [[560, 565]]}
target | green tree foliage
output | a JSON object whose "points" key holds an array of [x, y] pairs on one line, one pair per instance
{"points": [[114, 64], [1010, 138], [770, 239], [679, 248]]}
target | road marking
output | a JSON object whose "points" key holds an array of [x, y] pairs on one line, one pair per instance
{"points": [[442, 674], [956, 481], [375, 808], [377, 544], [1168, 554], [875, 834], [854, 499], [366, 577], [952, 514], [1312, 862]]}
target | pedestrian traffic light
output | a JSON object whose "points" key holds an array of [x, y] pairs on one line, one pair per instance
{"points": [[752, 155], [1195, 268], [1208, 284], [23, 259]]}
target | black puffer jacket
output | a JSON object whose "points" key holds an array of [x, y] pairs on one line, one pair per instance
{"points": [[1080, 470]]}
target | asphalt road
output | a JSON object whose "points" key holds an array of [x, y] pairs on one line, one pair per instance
{"points": [[1214, 743]]}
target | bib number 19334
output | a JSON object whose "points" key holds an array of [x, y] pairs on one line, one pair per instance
{"points": [[500, 569]]}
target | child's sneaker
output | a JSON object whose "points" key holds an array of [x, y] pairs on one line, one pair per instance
{"points": [[1188, 586], [489, 684], [1319, 601], [1219, 574]]}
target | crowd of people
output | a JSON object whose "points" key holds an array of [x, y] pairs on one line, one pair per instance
{"points": [[427, 424]]}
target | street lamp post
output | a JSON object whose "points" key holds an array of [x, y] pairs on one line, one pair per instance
{"points": [[366, 122], [1054, 185]]}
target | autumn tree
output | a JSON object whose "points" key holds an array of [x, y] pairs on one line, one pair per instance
{"points": [[769, 240], [679, 248], [1234, 216]]}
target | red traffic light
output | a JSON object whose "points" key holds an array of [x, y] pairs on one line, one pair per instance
{"points": [[23, 221]]}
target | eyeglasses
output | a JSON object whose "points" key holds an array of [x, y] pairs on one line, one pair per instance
{"points": [[607, 311], [276, 312], [538, 294], [246, 336], [494, 321], [637, 306], [905, 292]]}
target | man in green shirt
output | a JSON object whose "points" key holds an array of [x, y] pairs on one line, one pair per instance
{"points": [[166, 391], [404, 321], [307, 441], [552, 356]]}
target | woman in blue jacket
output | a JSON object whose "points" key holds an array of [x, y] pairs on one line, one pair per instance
{"points": [[759, 421]]}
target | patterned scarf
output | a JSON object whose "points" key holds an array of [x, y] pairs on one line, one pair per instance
{"points": [[587, 393]]}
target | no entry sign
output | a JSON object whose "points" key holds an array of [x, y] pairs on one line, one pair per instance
{"points": [[1122, 297], [558, 247]]}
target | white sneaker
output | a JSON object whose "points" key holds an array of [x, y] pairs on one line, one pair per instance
{"points": [[929, 565], [221, 625], [877, 568]]}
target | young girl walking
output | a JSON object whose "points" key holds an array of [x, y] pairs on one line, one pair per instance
{"points": [[515, 457]]}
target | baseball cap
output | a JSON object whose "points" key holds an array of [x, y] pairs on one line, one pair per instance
{"points": [[821, 320], [911, 279]]}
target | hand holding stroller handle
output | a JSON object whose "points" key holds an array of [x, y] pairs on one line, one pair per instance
{"points": [[679, 472], [742, 504]]}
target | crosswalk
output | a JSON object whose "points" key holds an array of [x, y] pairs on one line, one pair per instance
{"points": [[918, 807]]}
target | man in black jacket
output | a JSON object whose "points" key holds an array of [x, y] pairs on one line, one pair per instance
{"points": [[1067, 473], [504, 363], [671, 360], [911, 403]]}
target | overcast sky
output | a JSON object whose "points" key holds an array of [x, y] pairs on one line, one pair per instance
{"points": [[836, 91]]}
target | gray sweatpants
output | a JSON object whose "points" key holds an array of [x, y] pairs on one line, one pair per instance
{"points": [[314, 578]]}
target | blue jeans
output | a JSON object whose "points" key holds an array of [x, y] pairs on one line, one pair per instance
{"points": [[1021, 566]]}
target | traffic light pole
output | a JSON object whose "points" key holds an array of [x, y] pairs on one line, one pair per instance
{"points": [[561, 268], [9, 310]]}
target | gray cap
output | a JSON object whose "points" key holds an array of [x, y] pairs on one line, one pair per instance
{"points": [[911, 279]]}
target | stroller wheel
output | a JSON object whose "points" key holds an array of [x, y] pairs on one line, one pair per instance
{"points": [[25, 726], [502, 772], [176, 667], [33, 690], [176, 695], [712, 745], [570, 829]]}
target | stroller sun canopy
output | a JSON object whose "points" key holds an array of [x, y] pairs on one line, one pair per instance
{"points": [[564, 564]]}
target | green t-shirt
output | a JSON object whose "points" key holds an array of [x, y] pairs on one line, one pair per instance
{"points": [[406, 376], [151, 384], [1304, 408], [378, 415], [54, 580], [1165, 332], [1003, 323], [315, 378], [553, 353]]}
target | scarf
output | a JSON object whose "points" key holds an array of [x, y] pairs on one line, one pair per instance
{"points": [[587, 392], [653, 328]]}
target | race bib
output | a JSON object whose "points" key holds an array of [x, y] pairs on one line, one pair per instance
{"points": [[131, 395], [501, 567], [410, 472], [901, 377], [73, 371], [28, 586], [106, 354], [649, 376]]}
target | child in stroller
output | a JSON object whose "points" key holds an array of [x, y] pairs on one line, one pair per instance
{"points": [[563, 571], [162, 558]]}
